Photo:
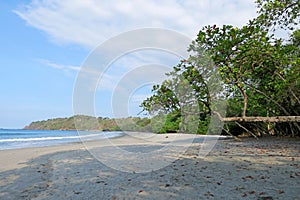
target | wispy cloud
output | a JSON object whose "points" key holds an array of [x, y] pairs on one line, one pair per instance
{"points": [[66, 68], [90, 22], [139, 98]]}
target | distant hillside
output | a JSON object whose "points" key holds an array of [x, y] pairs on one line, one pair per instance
{"points": [[92, 123], [162, 123]]}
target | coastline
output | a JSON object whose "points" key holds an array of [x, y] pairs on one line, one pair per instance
{"points": [[18, 138], [16, 158], [249, 169]]}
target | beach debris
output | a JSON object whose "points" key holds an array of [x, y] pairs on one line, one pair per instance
{"points": [[77, 192], [248, 177], [280, 191], [209, 194], [99, 182], [239, 188], [265, 198]]}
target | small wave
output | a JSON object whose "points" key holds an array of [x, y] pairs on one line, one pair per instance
{"points": [[50, 138]]}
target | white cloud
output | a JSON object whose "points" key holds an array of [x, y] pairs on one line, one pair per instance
{"points": [[90, 22], [154, 62]]}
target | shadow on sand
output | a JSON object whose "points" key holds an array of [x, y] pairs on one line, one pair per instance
{"points": [[225, 173]]}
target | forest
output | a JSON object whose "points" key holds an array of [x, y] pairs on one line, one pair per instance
{"points": [[83, 122]]}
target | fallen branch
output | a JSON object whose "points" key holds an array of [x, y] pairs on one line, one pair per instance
{"points": [[246, 130], [262, 119], [259, 119]]}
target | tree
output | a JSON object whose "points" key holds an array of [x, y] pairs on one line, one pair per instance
{"points": [[253, 64], [177, 100], [278, 13], [259, 71], [238, 54]]}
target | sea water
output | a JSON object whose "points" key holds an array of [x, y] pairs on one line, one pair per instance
{"points": [[19, 138]]}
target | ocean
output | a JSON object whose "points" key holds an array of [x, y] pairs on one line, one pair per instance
{"points": [[19, 138]]}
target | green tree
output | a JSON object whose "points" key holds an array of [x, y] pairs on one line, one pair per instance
{"points": [[278, 13], [239, 54], [260, 72]]}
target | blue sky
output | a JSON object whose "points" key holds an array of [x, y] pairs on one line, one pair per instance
{"points": [[45, 42]]}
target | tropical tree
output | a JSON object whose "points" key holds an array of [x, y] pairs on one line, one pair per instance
{"points": [[278, 13], [260, 73]]}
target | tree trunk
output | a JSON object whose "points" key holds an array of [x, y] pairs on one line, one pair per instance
{"points": [[245, 97]]}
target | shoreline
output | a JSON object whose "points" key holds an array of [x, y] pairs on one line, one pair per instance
{"points": [[44, 138], [82, 140], [35, 151], [249, 169]]}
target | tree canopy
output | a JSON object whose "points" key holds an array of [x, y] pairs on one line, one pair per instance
{"points": [[260, 74], [278, 13]]}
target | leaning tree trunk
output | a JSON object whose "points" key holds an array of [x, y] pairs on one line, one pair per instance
{"points": [[277, 119], [245, 98], [261, 119]]}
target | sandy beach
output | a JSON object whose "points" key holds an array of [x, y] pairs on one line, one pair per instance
{"points": [[268, 168]]}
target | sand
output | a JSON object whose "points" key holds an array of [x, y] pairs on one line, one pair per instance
{"points": [[249, 169]]}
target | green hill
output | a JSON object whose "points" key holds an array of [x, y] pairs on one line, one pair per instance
{"points": [[82, 122]]}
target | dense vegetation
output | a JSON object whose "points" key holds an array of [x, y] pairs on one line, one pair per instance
{"points": [[259, 75], [82, 122]]}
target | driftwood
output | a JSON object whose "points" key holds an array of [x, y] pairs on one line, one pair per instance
{"points": [[277, 119], [259, 119], [262, 119]]}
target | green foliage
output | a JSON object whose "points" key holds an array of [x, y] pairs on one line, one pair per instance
{"points": [[261, 74], [82, 122], [281, 13], [203, 126], [166, 123], [53, 124], [260, 70]]}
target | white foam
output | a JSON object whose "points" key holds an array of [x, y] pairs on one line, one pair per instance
{"points": [[49, 138]]}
